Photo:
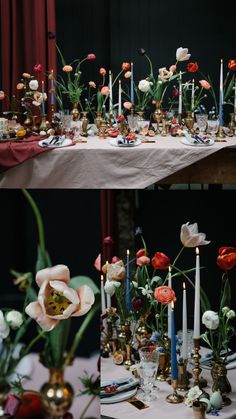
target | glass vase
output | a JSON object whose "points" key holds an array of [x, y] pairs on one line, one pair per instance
{"points": [[57, 395]]}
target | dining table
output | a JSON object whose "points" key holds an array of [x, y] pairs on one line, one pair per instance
{"points": [[97, 164], [158, 408]]}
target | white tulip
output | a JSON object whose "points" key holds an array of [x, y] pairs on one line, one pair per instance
{"points": [[190, 237], [182, 54], [210, 319], [15, 319], [4, 328]]}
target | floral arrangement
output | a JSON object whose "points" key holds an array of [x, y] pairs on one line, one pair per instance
{"points": [[32, 98], [219, 328]]}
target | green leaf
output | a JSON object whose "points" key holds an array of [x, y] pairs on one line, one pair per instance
{"points": [[226, 296], [156, 280], [78, 281], [43, 260]]}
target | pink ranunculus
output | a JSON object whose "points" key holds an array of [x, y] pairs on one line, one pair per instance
{"points": [[38, 68], [102, 71], [91, 57], [67, 68], [127, 105], [164, 294], [97, 263], [143, 260], [105, 91], [56, 300], [2, 95], [205, 84], [172, 68]]}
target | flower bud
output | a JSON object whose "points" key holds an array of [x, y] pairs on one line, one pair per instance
{"points": [[14, 319]]}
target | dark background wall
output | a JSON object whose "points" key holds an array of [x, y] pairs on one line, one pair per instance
{"points": [[72, 232]]}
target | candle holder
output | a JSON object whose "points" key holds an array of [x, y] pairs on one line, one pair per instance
{"points": [[220, 137], [180, 119], [174, 398], [183, 378], [44, 123], [198, 381], [128, 361]]}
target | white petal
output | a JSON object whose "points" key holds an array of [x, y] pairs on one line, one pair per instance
{"points": [[87, 299], [59, 272], [34, 310]]}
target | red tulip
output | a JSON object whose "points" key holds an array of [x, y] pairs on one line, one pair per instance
{"points": [[164, 294], [125, 66], [91, 57], [232, 65], [227, 258], [141, 252], [160, 261], [31, 407], [120, 118], [192, 67]]}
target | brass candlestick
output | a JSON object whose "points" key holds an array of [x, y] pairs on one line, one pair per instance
{"points": [[174, 397], [128, 361], [183, 379], [220, 137], [180, 118], [198, 381]]}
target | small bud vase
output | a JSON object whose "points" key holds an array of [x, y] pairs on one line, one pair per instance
{"points": [[157, 115], [75, 112], [220, 379], [199, 412], [189, 121], [57, 396]]}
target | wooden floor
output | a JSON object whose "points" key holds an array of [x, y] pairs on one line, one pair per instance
{"points": [[218, 168]]}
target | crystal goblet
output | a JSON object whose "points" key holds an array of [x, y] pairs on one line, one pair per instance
{"points": [[149, 357]]}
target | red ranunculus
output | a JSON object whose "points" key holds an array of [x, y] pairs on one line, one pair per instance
{"points": [[164, 294], [232, 65], [91, 57], [192, 67], [227, 258], [160, 261], [31, 407]]}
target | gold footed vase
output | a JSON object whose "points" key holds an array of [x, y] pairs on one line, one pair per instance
{"points": [[57, 396], [220, 381], [98, 119], [189, 121], [232, 125], [157, 115], [75, 112], [84, 124]]}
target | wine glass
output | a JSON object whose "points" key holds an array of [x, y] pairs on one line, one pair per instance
{"points": [[149, 357], [143, 129], [202, 122], [66, 123]]}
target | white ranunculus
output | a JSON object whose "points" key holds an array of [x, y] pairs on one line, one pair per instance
{"points": [[210, 319], [190, 237], [14, 318], [194, 393], [182, 54], [4, 328], [164, 74], [34, 85], [144, 86], [231, 314], [110, 287]]}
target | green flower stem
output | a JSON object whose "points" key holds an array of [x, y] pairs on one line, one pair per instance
{"points": [[87, 407], [32, 343], [79, 334], [38, 219], [150, 63], [177, 257]]}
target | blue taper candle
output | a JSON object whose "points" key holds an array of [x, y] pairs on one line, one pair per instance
{"points": [[174, 369], [128, 296]]}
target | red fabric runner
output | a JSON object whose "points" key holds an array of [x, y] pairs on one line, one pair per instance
{"points": [[13, 152]]}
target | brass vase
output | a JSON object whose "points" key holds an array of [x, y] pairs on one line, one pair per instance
{"points": [[34, 127], [189, 121], [75, 112], [199, 412], [57, 396], [44, 125], [232, 125], [220, 379], [27, 124], [157, 115], [84, 124], [142, 331], [98, 119]]}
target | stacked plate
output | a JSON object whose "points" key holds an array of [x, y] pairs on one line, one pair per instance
{"points": [[115, 391]]}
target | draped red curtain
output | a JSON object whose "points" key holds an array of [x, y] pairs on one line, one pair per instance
{"points": [[28, 37], [108, 224]]}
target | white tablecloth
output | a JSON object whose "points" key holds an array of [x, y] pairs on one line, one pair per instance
{"points": [[99, 165], [72, 373], [160, 408]]}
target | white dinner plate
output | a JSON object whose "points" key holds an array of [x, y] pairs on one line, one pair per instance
{"points": [[65, 143], [186, 142], [114, 142], [119, 397]]}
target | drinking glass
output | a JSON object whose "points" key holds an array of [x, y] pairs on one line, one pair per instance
{"points": [[189, 341], [149, 357], [133, 123], [202, 122], [212, 127], [66, 123], [143, 128]]}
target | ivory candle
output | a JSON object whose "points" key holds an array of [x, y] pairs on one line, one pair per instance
{"points": [[132, 84], [111, 92], [43, 102], [184, 324], [192, 97], [128, 297], [108, 295], [103, 302], [169, 305], [174, 369], [180, 92], [119, 99]]}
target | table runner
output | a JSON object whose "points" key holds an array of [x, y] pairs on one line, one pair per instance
{"points": [[13, 153], [98, 165]]}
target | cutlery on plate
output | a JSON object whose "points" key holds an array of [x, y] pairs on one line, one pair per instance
{"points": [[117, 384]]}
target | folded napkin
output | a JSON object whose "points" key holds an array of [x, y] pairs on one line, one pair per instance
{"points": [[13, 152]]}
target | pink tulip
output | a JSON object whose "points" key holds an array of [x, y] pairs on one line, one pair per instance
{"points": [[143, 260], [205, 84], [97, 263], [102, 71], [105, 91], [56, 300], [108, 240], [127, 105], [172, 68]]}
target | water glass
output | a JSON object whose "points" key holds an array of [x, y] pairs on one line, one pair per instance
{"points": [[149, 357], [189, 341], [133, 123], [202, 122], [212, 127], [143, 128]]}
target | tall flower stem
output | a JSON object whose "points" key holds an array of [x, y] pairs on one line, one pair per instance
{"points": [[177, 257], [38, 219]]}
